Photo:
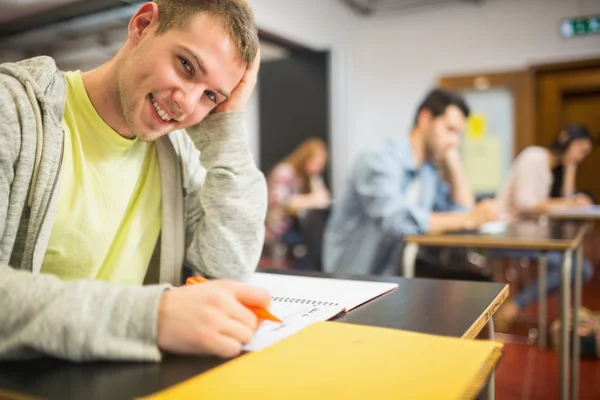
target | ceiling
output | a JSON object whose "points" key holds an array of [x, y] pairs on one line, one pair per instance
{"points": [[40, 23], [19, 16], [77, 41], [371, 7], [15, 9], [12, 10]]}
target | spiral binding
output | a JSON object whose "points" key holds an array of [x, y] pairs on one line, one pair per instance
{"points": [[304, 301]]}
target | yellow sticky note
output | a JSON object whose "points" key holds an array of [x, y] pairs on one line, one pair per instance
{"points": [[477, 126], [332, 360], [483, 163]]}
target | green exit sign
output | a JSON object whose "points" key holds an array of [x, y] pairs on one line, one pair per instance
{"points": [[580, 26]]}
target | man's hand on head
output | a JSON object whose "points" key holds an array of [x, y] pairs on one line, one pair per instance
{"points": [[243, 91], [452, 158]]}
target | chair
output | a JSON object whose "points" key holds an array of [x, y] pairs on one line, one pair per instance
{"points": [[312, 228]]}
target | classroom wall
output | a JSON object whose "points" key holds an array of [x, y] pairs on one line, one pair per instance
{"points": [[321, 25], [398, 57], [383, 64]]}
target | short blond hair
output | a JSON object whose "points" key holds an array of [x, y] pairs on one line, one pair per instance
{"points": [[235, 15]]}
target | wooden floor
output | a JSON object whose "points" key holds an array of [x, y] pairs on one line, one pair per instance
{"points": [[525, 372]]}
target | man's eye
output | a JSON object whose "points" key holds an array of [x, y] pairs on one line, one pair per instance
{"points": [[186, 64], [211, 96]]}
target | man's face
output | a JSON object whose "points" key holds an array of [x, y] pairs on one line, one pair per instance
{"points": [[173, 80], [443, 132]]}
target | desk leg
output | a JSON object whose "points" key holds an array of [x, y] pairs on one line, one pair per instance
{"points": [[565, 282], [491, 386], [409, 259], [542, 301], [576, 306]]}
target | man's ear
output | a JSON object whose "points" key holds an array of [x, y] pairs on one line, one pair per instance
{"points": [[424, 118], [145, 18]]}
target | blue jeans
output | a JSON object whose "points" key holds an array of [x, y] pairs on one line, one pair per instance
{"points": [[529, 294]]}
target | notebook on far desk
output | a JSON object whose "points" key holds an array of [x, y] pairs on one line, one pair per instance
{"points": [[576, 210], [300, 301], [494, 227]]}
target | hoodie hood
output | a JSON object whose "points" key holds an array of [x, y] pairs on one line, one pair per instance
{"points": [[45, 80]]}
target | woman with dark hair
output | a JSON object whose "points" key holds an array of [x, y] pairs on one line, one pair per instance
{"points": [[541, 178], [531, 183], [577, 140]]}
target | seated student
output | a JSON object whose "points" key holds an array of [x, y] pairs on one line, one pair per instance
{"points": [[395, 189], [529, 187], [295, 185], [101, 190], [527, 193]]}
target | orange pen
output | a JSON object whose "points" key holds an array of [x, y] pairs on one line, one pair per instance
{"points": [[258, 311]]}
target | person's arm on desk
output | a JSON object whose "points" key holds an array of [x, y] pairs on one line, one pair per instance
{"points": [[484, 211], [90, 320], [577, 200], [82, 320], [299, 202]]}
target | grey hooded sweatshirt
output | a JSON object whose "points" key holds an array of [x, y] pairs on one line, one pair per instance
{"points": [[214, 202]]}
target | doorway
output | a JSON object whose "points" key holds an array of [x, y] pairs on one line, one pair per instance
{"points": [[293, 102], [570, 93]]}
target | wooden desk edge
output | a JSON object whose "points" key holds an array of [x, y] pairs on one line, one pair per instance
{"points": [[574, 217], [579, 238], [491, 242], [489, 312], [7, 395]]}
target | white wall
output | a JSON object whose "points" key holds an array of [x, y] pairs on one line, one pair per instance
{"points": [[383, 64], [397, 58], [321, 25]]}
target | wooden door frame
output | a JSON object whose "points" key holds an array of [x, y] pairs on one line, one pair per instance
{"points": [[518, 82], [535, 71], [567, 65]]}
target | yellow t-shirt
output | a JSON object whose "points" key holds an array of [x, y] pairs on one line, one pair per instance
{"points": [[108, 216]]}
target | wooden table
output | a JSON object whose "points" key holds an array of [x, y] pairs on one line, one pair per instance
{"points": [[451, 308], [588, 215], [561, 236]]}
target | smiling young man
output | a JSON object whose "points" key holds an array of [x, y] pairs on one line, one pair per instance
{"points": [[117, 176]]}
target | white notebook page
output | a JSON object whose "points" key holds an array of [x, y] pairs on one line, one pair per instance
{"points": [[295, 316], [301, 301], [349, 294]]}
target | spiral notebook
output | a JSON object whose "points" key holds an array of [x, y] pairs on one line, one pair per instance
{"points": [[300, 301]]}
